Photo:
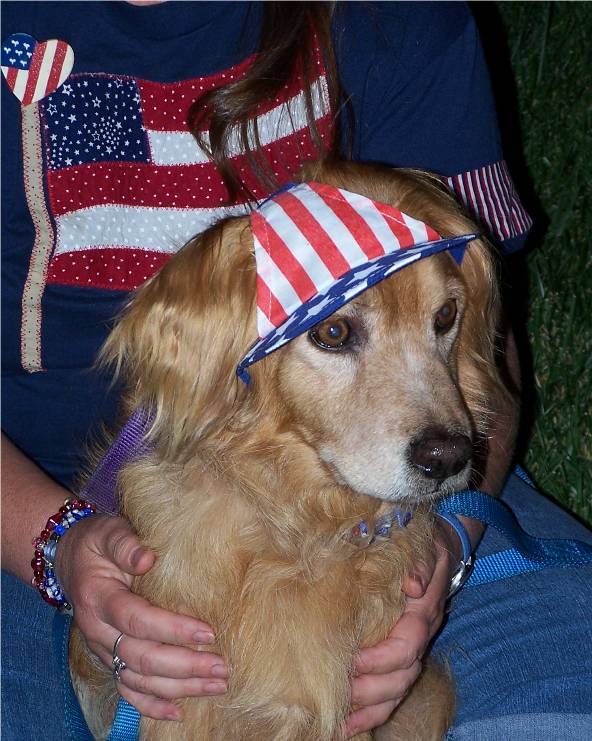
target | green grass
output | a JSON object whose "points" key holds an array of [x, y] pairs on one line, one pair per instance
{"points": [[547, 126]]}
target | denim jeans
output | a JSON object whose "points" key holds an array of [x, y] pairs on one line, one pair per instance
{"points": [[520, 649]]}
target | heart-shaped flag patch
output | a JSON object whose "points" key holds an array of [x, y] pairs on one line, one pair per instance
{"points": [[35, 69]]}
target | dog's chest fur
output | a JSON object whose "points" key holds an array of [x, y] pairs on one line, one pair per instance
{"points": [[268, 561]]}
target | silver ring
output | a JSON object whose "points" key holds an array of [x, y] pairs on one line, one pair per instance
{"points": [[118, 664]]}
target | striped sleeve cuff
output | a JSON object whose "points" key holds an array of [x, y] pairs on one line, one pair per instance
{"points": [[490, 194]]}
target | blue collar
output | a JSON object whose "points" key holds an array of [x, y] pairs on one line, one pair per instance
{"points": [[363, 536]]}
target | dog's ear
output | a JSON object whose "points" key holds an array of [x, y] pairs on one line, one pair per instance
{"points": [[479, 377], [178, 343], [424, 195]]}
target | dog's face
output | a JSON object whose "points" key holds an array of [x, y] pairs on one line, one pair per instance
{"points": [[374, 388], [389, 393]]}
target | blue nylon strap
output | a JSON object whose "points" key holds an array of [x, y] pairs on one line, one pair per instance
{"points": [[502, 565], [527, 553], [126, 725]]}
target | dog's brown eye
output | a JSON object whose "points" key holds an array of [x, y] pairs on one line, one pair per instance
{"points": [[445, 317], [331, 335]]}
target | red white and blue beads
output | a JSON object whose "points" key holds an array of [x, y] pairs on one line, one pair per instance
{"points": [[44, 578]]}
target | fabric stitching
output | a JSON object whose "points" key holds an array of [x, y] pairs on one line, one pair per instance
{"points": [[43, 243]]}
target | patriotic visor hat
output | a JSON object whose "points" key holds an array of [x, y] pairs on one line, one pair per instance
{"points": [[317, 247]]}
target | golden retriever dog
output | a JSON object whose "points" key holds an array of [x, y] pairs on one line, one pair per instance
{"points": [[251, 494]]}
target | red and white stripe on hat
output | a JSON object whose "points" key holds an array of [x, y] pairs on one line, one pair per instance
{"points": [[311, 235]]}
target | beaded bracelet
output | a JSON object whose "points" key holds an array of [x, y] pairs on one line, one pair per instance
{"points": [[44, 578]]}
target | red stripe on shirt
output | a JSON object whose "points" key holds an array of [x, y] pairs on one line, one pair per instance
{"points": [[34, 68], [56, 67], [490, 216], [11, 77], [497, 224], [502, 198], [117, 268], [166, 105], [520, 217], [480, 206]]}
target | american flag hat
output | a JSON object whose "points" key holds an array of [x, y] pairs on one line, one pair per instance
{"points": [[317, 247]]}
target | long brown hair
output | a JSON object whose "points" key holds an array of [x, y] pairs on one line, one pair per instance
{"points": [[289, 33]]}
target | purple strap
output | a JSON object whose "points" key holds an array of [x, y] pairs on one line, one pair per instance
{"points": [[101, 488]]}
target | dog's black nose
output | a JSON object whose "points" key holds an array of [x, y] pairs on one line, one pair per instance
{"points": [[439, 454]]}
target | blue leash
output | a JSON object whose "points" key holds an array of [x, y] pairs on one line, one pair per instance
{"points": [[527, 554], [126, 724]]}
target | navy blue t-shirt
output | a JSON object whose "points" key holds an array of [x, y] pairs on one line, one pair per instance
{"points": [[102, 180]]}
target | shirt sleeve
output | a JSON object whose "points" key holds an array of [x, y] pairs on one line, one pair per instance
{"points": [[421, 97]]}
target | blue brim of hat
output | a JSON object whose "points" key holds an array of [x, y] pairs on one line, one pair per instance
{"points": [[346, 288]]}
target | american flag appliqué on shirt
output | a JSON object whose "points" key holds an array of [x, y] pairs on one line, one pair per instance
{"points": [[127, 183], [318, 247]]}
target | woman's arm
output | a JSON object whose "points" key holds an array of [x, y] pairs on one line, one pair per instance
{"points": [[96, 561], [29, 497]]}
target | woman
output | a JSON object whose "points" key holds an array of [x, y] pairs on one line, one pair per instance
{"points": [[120, 185]]}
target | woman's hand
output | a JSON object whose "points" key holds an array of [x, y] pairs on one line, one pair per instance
{"points": [[95, 563], [386, 672]]}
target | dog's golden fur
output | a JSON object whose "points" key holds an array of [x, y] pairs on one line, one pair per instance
{"points": [[250, 493]]}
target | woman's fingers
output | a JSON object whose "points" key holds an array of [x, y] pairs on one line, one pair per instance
{"points": [[158, 659], [171, 673], [151, 706], [406, 643], [134, 616], [366, 718], [122, 547], [416, 583], [377, 689], [171, 689]]}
